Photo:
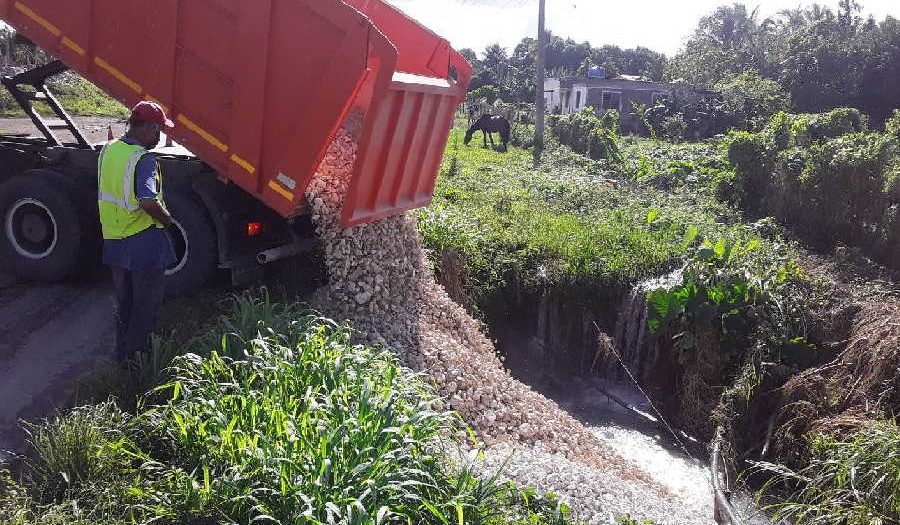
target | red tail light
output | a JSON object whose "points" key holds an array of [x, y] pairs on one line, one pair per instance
{"points": [[254, 229]]}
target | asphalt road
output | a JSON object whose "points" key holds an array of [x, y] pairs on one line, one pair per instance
{"points": [[49, 335]]}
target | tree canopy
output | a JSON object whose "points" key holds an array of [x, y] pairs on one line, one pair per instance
{"points": [[823, 58], [808, 59]]}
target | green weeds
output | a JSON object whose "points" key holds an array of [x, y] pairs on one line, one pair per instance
{"points": [[274, 416], [853, 480], [566, 224], [77, 95]]}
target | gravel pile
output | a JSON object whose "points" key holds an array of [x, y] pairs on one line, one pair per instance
{"points": [[595, 495], [381, 281]]}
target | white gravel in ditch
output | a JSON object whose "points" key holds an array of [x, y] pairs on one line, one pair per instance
{"points": [[380, 281]]}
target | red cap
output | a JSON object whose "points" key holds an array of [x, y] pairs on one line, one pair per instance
{"points": [[153, 113]]}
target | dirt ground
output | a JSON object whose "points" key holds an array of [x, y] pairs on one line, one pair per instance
{"points": [[96, 128], [49, 334]]}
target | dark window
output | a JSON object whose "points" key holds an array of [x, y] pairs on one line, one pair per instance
{"points": [[611, 100], [577, 99]]}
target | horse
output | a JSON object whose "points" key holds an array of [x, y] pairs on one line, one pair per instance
{"points": [[488, 125]]}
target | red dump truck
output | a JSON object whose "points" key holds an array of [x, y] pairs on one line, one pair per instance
{"points": [[257, 90]]}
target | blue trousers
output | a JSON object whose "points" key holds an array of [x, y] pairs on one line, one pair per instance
{"points": [[139, 295]]}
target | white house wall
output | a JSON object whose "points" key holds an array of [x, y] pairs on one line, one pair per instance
{"points": [[578, 98]]}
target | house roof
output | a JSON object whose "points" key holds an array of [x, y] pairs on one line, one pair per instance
{"points": [[620, 82]]}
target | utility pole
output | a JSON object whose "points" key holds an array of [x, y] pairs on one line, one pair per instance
{"points": [[539, 106]]}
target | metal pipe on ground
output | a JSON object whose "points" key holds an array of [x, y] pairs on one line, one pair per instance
{"points": [[281, 252], [724, 511]]}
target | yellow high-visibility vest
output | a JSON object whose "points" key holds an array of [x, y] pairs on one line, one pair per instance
{"points": [[121, 215]]}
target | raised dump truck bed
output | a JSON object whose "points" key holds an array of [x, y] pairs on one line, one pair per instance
{"points": [[257, 90]]}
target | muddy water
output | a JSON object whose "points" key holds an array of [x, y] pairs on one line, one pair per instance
{"points": [[636, 432], [640, 436]]}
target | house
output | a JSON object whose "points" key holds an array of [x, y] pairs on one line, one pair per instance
{"points": [[572, 94]]}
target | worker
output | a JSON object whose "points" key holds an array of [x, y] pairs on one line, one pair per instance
{"points": [[134, 219]]}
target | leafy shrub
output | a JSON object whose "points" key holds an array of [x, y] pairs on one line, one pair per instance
{"points": [[892, 185], [588, 134], [641, 111], [892, 126], [674, 127], [752, 156], [802, 130], [522, 135], [836, 123], [749, 101], [610, 120]]}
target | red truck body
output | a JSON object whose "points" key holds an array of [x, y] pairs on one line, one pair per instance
{"points": [[257, 89]]}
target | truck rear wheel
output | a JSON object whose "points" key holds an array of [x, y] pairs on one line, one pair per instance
{"points": [[195, 244], [46, 235]]}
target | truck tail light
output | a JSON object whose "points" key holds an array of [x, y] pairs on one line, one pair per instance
{"points": [[254, 229]]}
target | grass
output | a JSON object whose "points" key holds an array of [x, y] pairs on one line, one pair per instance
{"points": [[273, 417], [562, 224], [77, 95], [852, 480]]}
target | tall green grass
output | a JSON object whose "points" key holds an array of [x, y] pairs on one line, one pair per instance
{"points": [[852, 480], [561, 224], [274, 417]]}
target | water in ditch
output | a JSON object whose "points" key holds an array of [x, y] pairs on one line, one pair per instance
{"points": [[618, 413]]}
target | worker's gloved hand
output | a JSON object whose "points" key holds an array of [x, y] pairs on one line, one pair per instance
{"points": [[172, 231]]}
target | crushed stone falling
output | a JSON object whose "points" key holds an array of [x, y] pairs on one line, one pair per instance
{"points": [[380, 280]]}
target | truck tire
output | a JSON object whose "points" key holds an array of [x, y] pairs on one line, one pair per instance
{"points": [[46, 233], [194, 241]]}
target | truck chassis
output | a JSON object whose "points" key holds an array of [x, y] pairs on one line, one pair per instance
{"points": [[50, 221]]}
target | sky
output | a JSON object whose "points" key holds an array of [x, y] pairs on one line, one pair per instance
{"points": [[661, 25]]}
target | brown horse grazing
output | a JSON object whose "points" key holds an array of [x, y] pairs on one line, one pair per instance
{"points": [[488, 125]]}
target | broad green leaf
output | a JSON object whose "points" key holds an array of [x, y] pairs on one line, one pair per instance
{"points": [[690, 235], [752, 245], [719, 249]]}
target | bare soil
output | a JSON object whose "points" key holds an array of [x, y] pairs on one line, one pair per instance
{"points": [[50, 335], [96, 128]]}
